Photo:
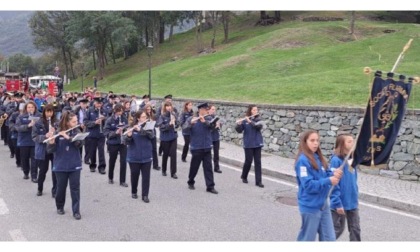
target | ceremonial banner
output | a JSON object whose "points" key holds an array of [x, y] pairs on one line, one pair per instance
{"points": [[383, 117]]}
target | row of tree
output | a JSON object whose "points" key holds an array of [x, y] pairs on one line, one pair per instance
{"points": [[104, 36]]}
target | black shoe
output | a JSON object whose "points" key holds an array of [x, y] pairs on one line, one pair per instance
{"points": [[174, 176], [25, 176], [77, 216], [184, 160], [123, 184], [145, 199], [191, 187], [212, 190], [218, 171], [92, 169], [34, 180], [102, 171], [110, 181], [163, 173], [244, 180], [134, 196], [157, 168], [39, 193], [260, 185], [60, 211], [12, 155]]}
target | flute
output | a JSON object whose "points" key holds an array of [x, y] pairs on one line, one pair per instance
{"points": [[198, 118], [132, 128], [99, 115], [247, 117], [56, 135]]}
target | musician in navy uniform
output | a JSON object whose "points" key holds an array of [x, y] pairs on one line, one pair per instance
{"points": [[67, 163], [80, 111], [168, 123], [114, 127], [139, 155], [215, 135], [252, 142], [95, 141], [44, 128], [24, 140], [201, 145], [186, 113]]}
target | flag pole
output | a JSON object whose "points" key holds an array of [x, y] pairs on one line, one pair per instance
{"points": [[401, 56]]}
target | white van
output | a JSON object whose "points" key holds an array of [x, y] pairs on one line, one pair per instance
{"points": [[36, 81]]}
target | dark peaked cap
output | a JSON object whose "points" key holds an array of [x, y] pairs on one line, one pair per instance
{"points": [[98, 99], [203, 105], [169, 96]]}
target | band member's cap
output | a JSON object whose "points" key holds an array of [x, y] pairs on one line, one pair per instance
{"points": [[98, 99], [203, 105], [112, 96], [83, 100], [123, 96], [169, 96], [71, 99], [18, 94]]}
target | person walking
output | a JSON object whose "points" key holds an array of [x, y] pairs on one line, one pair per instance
{"points": [[252, 142], [201, 144], [139, 155], [314, 181], [67, 163], [345, 196]]}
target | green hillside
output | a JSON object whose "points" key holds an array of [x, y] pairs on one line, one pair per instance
{"points": [[294, 62]]}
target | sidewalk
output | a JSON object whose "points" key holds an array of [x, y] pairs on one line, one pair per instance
{"points": [[375, 189]]}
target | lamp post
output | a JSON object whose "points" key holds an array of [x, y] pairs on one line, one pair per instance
{"points": [[149, 53], [83, 73]]}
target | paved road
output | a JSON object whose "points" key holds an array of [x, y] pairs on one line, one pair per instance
{"points": [[240, 212]]}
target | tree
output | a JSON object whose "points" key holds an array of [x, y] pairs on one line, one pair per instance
{"points": [[352, 20], [214, 17], [21, 64], [225, 21], [49, 29]]}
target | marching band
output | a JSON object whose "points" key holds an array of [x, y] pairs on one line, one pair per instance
{"points": [[41, 129]]}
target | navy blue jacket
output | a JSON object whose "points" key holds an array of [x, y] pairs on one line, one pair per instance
{"points": [[167, 132], [12, 124], [39, 130], [139, 146], [252, 133], [200, 134], [24, 132], [111, 126], [182, 119], [67, 156], [94, 129]]}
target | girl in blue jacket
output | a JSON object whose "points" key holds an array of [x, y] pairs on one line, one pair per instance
{"points": [[139, 155], [345, 197], [67, 163], [314, 181]]}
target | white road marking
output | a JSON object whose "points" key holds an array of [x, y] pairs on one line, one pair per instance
{"points": [[3, 207], [17, 235]]}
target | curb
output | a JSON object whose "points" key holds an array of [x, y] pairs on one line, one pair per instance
{"points": [[370, 198]]}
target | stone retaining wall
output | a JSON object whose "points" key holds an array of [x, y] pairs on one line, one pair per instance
{"points": [[285, 123]]}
